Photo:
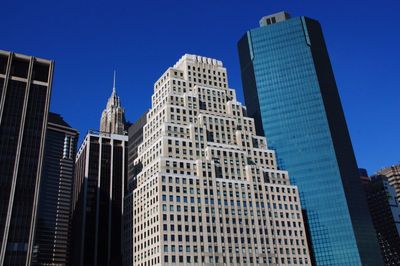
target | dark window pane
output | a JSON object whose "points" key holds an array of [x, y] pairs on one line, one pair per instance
{"points": [[40, 71], [19, 67], [3, 63]]}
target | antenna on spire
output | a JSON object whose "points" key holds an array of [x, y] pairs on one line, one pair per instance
{"points": [[114, 83]]}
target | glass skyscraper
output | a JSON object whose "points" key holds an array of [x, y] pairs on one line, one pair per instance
{"points": [[290, 90]]}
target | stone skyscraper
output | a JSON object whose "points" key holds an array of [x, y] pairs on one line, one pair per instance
{"points": [[25, 86], [113, 116], [210, 192], [290, 90]]}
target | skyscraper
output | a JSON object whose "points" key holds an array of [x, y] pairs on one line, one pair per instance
{"points": [[100, 174], [53, 238], [25, 85], [113, 116], [290, 90], [98, 200], [392, 173], [135, 138], [385, 212], [209, 192]]}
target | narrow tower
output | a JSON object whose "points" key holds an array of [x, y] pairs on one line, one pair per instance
{"points": [[113, 116]]}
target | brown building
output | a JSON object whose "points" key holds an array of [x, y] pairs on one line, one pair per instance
{"points": [[392, 173]]}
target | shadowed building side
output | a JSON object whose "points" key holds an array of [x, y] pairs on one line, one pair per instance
{"points": [[53, 238], [99, 185]]}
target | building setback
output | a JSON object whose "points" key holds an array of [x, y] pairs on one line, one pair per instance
{"points": [[25, 86], [290, 90], [209, 192], [52, 238]]}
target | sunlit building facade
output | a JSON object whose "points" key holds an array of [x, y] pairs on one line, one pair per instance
{"points": [[290, 91], [209, 192]]}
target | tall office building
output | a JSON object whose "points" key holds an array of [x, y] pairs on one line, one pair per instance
{"points": [[52, 238], [209, 192], [135, 138], [25, 86], [385, 212], [290, 90], [392, 173], [113, 116], [98, 194]]}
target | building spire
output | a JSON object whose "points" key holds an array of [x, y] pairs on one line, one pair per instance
{"points": [[114, 90]]}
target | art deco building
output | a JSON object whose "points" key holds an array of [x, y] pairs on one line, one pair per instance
{"points": [[290, 90], [53, 237], [113, 116], [392, 173], [210, 192], [385, 212], [100, 174], [25, 85]]}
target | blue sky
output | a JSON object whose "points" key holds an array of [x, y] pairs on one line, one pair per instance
{"points": [[141, 39]]}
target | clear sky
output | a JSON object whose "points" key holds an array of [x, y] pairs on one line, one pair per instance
{"points": [[141, 39]]}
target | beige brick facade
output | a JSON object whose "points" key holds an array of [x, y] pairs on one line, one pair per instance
{"points": [[210, 192]]}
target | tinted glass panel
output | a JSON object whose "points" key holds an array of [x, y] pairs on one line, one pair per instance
{"points": [[40, 71], [19, 67], [3, 63]]}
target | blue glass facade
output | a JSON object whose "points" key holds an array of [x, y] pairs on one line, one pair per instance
{"points": [[290, 90]]}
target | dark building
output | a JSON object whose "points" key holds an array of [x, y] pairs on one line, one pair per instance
{"points": [[385, 212], [52, 238], [290, 90], [25, 86], [135, 138], [100, 173]]}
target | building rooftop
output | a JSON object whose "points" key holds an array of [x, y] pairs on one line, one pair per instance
{"points": [[274, 18]]}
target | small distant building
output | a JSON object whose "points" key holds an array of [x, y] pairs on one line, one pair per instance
{"points": [[385, 213], [113, 116], [392, 173]]}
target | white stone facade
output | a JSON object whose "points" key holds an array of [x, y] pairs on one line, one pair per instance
{"points": [[210, 192]]}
